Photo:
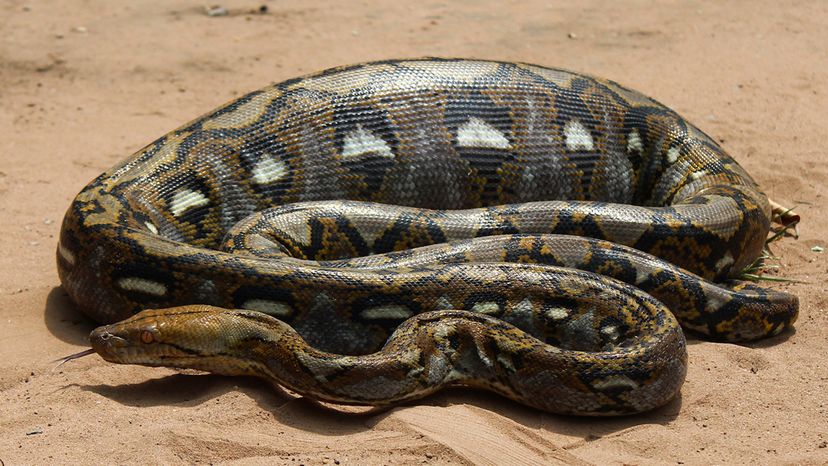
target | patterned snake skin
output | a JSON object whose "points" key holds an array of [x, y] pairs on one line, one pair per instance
{"points": [[385, 229]]}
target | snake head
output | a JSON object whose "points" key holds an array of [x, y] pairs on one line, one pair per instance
{"points": [[193, 337]]}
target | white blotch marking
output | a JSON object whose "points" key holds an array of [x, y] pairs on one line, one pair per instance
{"points": [[361, 141], [641, 276], [151, 227], [525, 306], [477, 133], [390, 311], [66, 254], [611, 331], [673, 155], [486, 307], [269, 170], [557, 313], [142, 285], [269, 307], [634, 143], [715, 298], [615, 381], [187, 199], [698, 174], [505, 362], [483, 358], [577, 137], [725, 261]]}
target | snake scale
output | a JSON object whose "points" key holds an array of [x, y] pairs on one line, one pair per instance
{"points": [[371, 233]]}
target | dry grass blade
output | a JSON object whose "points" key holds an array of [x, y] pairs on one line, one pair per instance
{"points": [[787, 221]]}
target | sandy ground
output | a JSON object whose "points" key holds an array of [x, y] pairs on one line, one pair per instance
{"points": [[85, 83]]}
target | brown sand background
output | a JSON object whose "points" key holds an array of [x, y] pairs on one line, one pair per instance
{"points": [[85, 83]]}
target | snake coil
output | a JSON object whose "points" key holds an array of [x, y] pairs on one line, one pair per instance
{"points": [[384, 229]]}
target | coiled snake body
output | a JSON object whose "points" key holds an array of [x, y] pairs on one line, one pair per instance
{"points": [[385, 229]]}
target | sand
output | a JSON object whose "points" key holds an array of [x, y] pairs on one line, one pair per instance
{"points": [[85, 83]]}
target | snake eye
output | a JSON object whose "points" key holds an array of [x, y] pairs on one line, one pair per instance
{"points": [[147, 337]]}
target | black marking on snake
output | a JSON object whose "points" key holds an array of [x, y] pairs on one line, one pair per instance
{"points": [[331, 231], [645, 174], [147, 272], [584, 160], [367, 170], [196, 125], [248, 292], [259, 151], [486, 162], [195, 215], [407, 228]]}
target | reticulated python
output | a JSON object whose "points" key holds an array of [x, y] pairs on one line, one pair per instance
{"points": [[507, 170]]}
